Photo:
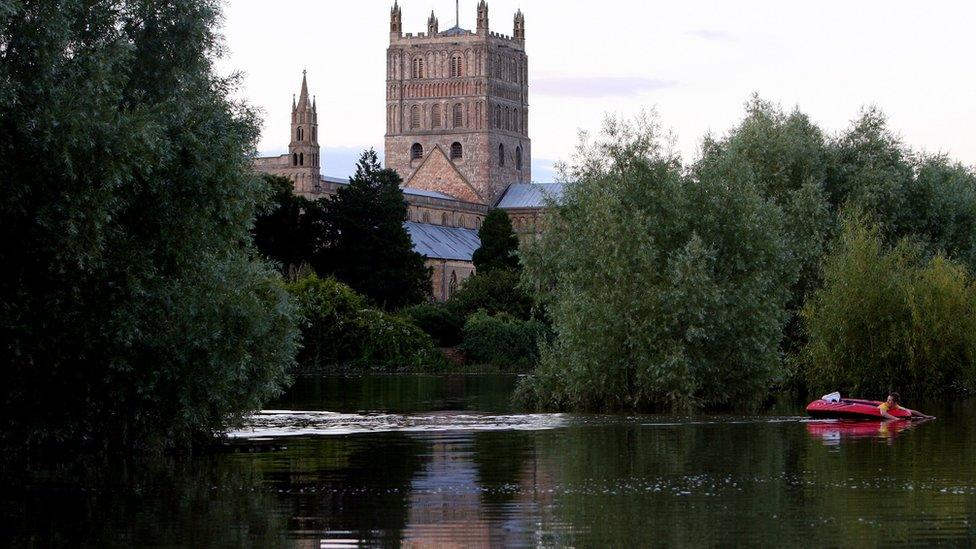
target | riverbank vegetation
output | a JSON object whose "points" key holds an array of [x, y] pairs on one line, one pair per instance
{"points": [[781, 259], [890, 313], [341, 332], [134, 313]]}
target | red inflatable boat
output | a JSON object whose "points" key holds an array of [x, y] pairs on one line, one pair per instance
{"points": [[852, 408]]}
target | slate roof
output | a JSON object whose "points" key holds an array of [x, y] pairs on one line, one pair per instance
{"points": [[455, 31], [530, 195], [438, 242], [406, 190], [421, 192]]}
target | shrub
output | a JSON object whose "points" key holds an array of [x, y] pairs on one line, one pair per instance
{"points": [[329, 312], [497, 291], [389, 341], [888, 319], [502, 340], [439, 321], [340, 330]]}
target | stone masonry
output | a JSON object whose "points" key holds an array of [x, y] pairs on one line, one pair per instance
{"points": [[463, 96]]}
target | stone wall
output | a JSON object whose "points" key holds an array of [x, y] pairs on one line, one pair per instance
{"points": [[447, 276]]}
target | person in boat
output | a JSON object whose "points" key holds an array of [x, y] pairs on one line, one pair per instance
{"points": [[891, 404]]}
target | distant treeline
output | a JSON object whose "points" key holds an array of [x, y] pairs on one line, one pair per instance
{"points": [[781, 258]]}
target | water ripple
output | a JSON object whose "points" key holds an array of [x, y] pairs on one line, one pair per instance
{"points": [[291, 423]]}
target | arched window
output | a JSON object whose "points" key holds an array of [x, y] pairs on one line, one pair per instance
{"points": [[315, 133], [435, 116], [418, 67], [426, 217], [453, 284], [301, 159], [456, 71], [517, 123], [508, 118], [416, 151], [298, 134], [458, 116], [456, 151], [518, 158], [501, 154], [294, 159], [444, 219], [498, 117], [415, 117]]}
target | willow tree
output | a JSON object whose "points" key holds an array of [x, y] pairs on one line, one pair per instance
{"points": [[132, 310], [889, 318], [664, 289], [787, 157]]}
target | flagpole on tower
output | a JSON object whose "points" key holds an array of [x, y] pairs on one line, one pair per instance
{"points": [[457, 14]]}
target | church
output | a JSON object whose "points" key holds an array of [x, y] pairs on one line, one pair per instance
{"points": [[457, 116]]}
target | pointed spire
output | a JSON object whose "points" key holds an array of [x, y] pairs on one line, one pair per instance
{"points": [[303, 96]]}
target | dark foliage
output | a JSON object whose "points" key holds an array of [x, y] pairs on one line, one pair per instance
{"points": [[340, 331], [498, 291], [503, 341], [132, 314], [441, 322], [291, 230], [499, 245], [369, 249]]}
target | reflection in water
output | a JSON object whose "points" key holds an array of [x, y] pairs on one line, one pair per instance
{"points": [[445, 468], [833, 432]]}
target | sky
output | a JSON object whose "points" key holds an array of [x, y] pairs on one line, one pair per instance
{"points": [[695, 62]]}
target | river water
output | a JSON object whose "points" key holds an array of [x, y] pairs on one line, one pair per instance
{"points": [[444, 461]]}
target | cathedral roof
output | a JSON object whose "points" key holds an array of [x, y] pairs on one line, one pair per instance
{"points": [[422, 192], [406, 190], [455, 31], [439, 242], [530, 195]]}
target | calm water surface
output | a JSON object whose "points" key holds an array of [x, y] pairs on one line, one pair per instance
{"points": [[443, 460]]}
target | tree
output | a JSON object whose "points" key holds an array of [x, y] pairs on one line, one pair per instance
{"points": [[871, 169], [889, 319], [664, 290], [499, 245], [369, 248], [787, 158], [291, 230], [133, 313], [908, 194]]}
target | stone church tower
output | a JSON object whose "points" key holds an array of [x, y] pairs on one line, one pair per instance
{"points": [[457, 108], [303, 148], [301, 164]]}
